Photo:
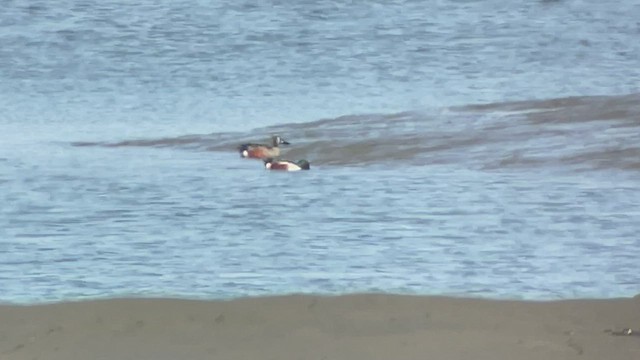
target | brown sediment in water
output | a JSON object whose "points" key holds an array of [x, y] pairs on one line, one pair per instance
{"points": [[366, 326], [569, 134]]}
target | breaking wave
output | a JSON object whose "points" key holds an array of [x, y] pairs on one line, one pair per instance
{"points": [[576, 134]]}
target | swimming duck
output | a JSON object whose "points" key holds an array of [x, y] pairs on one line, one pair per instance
{"points": [[262, 151], [286, 165]]}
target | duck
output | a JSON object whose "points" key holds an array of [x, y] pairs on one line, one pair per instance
{"points": [[286, 165], [262, 151]]}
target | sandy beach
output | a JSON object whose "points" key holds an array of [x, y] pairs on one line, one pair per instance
{"points": [[366, 326]]}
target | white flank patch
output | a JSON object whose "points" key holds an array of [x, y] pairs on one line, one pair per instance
{"points": [[293, 167], [267, 165], [245, 153]]}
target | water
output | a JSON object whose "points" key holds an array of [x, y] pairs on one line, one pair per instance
{"points": [[118, 125]]}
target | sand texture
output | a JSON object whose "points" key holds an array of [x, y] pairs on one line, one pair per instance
{"points": [[367, 326]]}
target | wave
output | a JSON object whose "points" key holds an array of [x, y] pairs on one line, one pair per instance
{"points": [[575, 133]]}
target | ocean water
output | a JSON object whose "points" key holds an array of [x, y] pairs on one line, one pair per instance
{"points": [[472, 148]]}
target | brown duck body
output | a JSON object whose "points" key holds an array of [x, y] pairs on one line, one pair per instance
{"points": [[262, 151]]}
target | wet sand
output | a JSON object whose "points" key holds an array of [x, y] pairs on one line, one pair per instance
{"points": [[368, 326]]}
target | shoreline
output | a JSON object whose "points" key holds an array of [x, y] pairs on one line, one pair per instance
{"points": [[355, 326], [238, 297]]}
